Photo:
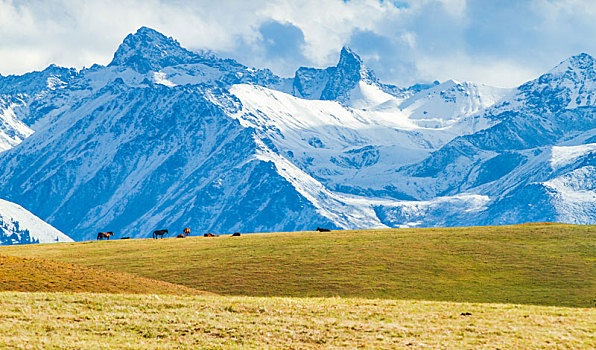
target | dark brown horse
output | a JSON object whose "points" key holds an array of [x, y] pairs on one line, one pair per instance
{"points": [[186, 231], [106, 235], [181, 236], [159, 233], [320, 229]]}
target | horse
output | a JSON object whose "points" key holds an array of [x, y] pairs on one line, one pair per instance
{"points": [[186, 231], [106, 235], [236, 234], [181, 236], [159, 233], [320, 229], [209, 235]]}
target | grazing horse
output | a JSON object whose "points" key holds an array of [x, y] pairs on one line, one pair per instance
{"points": [[186, 231], [106, 235], [320, 229], [181, 236], [159, 233]]}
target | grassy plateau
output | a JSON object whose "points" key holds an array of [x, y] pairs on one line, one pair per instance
{"points": [[526, 286]]}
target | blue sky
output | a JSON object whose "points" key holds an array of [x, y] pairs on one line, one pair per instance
{"points": [[497, 42]]}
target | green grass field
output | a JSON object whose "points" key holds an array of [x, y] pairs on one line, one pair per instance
{"points": [[543, 264], [526, 286]]}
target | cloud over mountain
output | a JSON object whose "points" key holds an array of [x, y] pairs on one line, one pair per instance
{"points": [[499, 43]]}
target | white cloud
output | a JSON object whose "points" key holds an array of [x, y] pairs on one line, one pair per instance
{"points": [[486, 70], [328, 25], [480, 40]]}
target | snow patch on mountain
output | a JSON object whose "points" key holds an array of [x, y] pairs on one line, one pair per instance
{"points": [[440, 211], [574, 195], [341, 146], [565, 155], [367, 96], [348, 212], [12, 130], [17, 225], [447, 102], [160, 78]]}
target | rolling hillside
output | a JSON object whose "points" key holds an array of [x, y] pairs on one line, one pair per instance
{"points": [[269, 281], [35, 275], [546, 264]]}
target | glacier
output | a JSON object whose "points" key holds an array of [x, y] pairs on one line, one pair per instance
{"points": [[164, 137]]}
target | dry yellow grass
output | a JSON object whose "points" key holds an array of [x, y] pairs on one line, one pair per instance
{"points": [[102, 321], [34, 275]]}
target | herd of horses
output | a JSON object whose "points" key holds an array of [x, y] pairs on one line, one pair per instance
{"points": [[156, 234], [160, 234]]}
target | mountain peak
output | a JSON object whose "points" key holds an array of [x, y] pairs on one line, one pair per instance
{"points": [[571, 84], [580, 62], [148, 31], [148, 50], [350, 70], [347, 55], [582, 57], [351, 65]]}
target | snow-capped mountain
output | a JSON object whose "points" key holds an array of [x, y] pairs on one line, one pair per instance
{"points": [[350, 82], [19, 226], [164, 137], [535, 162], [162, 60], [446, 103]]}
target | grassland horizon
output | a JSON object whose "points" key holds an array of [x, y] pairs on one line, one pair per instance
{"points": [[523, 286], [542, 264]]}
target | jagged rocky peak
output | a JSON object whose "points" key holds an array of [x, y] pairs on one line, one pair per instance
{"points": [[333, 83], [349, 71], [350, 65], [575, 70], [148, 50]]}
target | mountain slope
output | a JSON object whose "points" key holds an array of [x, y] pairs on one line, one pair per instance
{"points": [[535, 162], [166, 156], [19, 226], [444, 103], [12, 130]]}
